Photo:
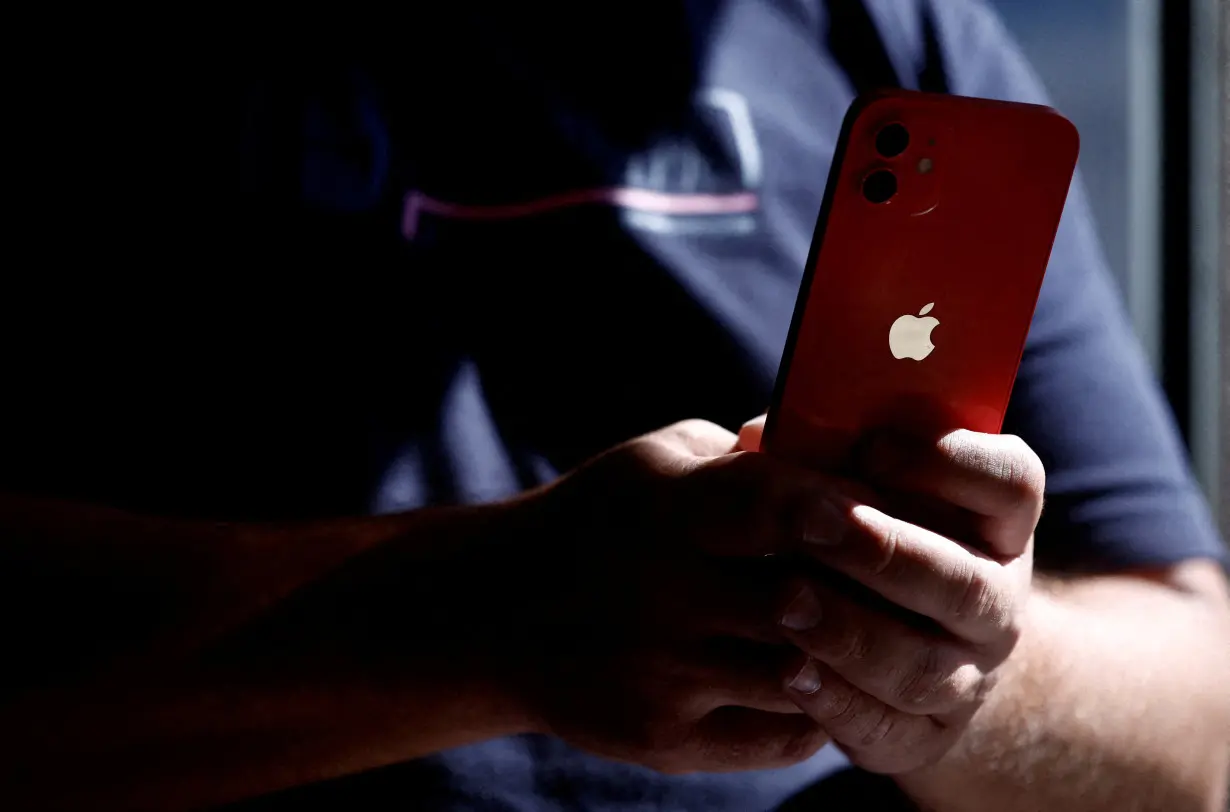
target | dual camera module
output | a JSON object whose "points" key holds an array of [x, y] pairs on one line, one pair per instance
{"points": [[881, 185]]}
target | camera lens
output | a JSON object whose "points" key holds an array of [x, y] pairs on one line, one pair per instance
{"points": [[880, 186], [892, 140]]}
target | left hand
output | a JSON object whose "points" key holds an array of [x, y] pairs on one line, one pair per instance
{"points": [[905, 626]]}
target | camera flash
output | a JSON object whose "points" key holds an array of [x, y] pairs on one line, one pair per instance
{"points": [[924, 166]]}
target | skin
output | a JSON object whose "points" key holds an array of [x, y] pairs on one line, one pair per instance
{"points": [[907, 637], [1101, 692], [644, 607], [1115, 699]]}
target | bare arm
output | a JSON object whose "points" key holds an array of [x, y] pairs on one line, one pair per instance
{"points": [[1091, 693], [1116, 699], [163, 664], [174, 665]]}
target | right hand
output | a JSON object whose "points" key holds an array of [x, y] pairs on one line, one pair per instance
{"points": [[643, 621]]}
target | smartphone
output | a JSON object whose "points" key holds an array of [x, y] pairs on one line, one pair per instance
{"points": [[928, 256]]}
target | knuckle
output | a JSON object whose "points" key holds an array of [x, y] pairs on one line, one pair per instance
{"points": [[664, 462], [851, 645], [695, 437], [941, 680], [1020, 469], [690, 428], [968, 685], [879, 724], [1007, 459], [979, 684], [887, 544], [961, 445], [843, 710], [680, 448], [1008, 630], [924, 679], [980, 598]]}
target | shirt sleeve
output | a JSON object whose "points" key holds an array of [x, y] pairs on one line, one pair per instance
{"points": [[1120, 491]]}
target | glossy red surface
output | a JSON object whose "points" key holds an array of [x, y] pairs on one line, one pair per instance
{"points": [[971, 237]]}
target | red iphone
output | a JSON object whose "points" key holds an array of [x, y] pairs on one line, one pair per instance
{"points": [[925, 267]]}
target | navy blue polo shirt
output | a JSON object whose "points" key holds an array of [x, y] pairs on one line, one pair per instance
{"points": [[455, 268]]}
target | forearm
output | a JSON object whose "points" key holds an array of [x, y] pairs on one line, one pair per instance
{"points": [[95, 587], [191, 739], [281, 655], [1115, 700]]}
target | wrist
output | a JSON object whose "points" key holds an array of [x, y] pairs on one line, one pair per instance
{"points": [[520, 600], [487, 591], [1000, 730]]}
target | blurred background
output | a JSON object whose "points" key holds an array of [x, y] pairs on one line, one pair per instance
{"points": [[1080, 48], [1147, 84]]}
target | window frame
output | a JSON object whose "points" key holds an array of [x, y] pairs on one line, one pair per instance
{"points": [[1178, 285]]}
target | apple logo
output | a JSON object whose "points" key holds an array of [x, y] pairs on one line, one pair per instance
{"points": [[910, 336]]}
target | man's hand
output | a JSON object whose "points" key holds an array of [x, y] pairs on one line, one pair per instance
{"points": [[643, 624], [904, 641]]}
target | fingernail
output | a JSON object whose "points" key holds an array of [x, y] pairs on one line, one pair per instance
{"points": [[803, 613], [825, 522], [807, 681]]}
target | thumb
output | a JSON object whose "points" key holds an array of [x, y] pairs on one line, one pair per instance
{"points": [[750, 434]]}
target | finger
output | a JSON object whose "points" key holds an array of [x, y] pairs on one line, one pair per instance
{"points": [[963, 590], [997, 477], [910, 669], [743, 504], [750, 434], [750, 504], [730, 739], [694, 596], [698, 678], [875, 736]]}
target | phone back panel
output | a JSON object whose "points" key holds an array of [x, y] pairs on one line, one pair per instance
{"points": [[965, 242]]}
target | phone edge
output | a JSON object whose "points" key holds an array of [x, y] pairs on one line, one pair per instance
{"points": [[857, 108]]}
